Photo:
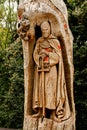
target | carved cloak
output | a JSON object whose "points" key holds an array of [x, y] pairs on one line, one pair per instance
{"points": [[56, 97]]}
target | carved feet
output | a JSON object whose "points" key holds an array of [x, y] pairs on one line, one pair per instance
{"points": [[39, 114], [52, 116]]}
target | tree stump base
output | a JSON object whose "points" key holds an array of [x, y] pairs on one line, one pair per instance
{"points": [[47, 124]]}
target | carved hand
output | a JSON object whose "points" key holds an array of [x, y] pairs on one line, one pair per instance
{"points": [[42, 56], [43, 51]]}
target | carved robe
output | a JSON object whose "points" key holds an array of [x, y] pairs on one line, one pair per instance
{"points": [[55, 86]]}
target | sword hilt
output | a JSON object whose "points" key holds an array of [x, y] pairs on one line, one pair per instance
{"points": [[44, 67]]}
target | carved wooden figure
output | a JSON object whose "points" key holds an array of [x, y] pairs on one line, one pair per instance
{"points": [[48, 65]]}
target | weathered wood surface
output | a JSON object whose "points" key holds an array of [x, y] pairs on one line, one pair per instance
{"points": [[47, 124], [39, 11], [30, 123]]}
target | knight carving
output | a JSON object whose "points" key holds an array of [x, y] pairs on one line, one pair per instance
{"points": [[48, 65]]}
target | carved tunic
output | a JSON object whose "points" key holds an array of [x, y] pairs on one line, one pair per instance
{"points": [[50, 77], [55, 86]]}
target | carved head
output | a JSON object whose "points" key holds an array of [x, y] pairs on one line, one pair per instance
{"points": [[45, 28]]}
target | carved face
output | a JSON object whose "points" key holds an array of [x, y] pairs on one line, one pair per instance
{"points": [[45, 28]]}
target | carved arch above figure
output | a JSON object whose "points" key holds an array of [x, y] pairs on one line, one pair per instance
{"points": [[56, 30]]}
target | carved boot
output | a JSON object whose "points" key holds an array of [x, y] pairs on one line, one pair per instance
{"points": [[37, 114], [53, 117]]}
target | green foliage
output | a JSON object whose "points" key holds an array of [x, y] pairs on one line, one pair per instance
{"points": [[12, 84], [11, 69], [78, 23], [7, 22], [80, 56]]}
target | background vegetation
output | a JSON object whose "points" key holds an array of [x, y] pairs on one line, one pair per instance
{"points": [[11, 64]]}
